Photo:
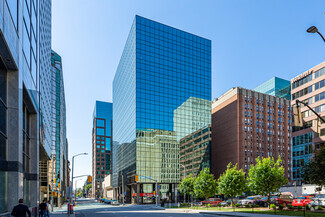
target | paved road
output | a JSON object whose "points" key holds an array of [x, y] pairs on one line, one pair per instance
{"points": [[89, 208]]}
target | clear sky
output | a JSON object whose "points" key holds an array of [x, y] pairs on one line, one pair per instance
{"points": [[252, 41]]}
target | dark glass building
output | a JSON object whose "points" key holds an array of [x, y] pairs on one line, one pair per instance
{"points": [[160, 69], [102, 145]]}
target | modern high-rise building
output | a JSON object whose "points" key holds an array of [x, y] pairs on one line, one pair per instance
{"points": [[276, 87], [101, 145], [161, 68], [59, 143], [246, 125], [20, 53], [308, 87], [195, 151], [45, 96]]}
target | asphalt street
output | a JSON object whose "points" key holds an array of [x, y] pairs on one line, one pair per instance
{"points": [[90, 208]]}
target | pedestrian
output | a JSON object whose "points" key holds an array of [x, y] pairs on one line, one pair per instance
{"points": [[20, 210], [43, 209]]}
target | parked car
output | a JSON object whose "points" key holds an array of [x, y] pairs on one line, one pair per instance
{"points": [[105, 200], [228, 202], [318, 200], [115, 202], [249, 200], [262, 202], [302, 201], [283, 199], [211, 201]]}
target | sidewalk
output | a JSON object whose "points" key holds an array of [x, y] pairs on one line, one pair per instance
{"points": [[238, 214], [61, 212], [221, 213]]}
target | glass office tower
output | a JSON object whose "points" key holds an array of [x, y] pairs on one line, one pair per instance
{"points": [[161, 68], [102, 145], [276, 87]]}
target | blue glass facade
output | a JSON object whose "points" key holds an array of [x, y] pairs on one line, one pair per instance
{"points": [[302, 151], [102, 144], [276, 87], [161, 68]]}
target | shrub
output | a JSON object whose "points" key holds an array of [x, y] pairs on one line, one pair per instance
{"points": [[320, 208], [256, 206], [290, 206], [247, 205], [281, 206], [273, 206], [299, 207], [237, 205]]}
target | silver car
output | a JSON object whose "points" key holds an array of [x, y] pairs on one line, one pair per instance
{"points": [[249, 200], [318, 200]]}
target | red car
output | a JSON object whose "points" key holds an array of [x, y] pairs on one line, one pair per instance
{"points": [[302, 201], [283, 199], [212, 201]]}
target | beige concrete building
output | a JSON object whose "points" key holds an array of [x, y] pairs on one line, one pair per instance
{"points": [[308, 87], [107, 187]]}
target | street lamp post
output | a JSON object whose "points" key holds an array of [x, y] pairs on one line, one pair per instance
{"points": [[313, 29], [75, 190], [184, 178], [52, 186], [73, 167], [122, 189]]}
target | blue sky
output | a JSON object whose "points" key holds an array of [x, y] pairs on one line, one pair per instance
{"points": [[252, 41]]}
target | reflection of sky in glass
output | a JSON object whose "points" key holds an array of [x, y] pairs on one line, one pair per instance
{"points": [[172, 66], [161, 68], [103, 110], [276, 87]]}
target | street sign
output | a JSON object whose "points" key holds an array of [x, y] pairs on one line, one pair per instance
{"points": [[124, 193], [159, 186], [69, 192]]}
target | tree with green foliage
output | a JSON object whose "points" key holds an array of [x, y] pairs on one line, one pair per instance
{"points": [[187, 185], [205, 184], [266, 176], [314, 170], [86, 188], [232, 182]]}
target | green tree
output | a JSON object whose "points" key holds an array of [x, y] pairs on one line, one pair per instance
{"points": [[187, 185], [205, 185], [266, 176], [232, 182], [314, 170]]}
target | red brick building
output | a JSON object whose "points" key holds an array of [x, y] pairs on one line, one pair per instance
{"points": [[246, 125]]}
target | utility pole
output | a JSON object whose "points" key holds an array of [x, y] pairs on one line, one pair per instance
{"points": [[184, 178], [52, 187], [123, 195], [156, 191]]}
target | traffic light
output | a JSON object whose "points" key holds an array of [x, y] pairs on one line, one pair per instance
{"points": [[59, 185], [89, 179], [54, 181], [154, 192], [297, 116], [316, 126], [136, 178]]}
